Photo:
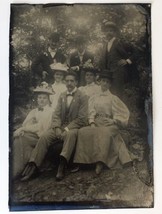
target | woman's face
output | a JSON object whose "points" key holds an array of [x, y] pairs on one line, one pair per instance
{"points": [[42, 100], [89, 77], [58, 76], [105, 84]]}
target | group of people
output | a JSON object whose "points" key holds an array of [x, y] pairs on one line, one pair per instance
{"points": [[83, 114]]}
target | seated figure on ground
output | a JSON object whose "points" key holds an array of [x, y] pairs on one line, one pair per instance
{"points": [[70, 115], [101, 142], [36, 123]]}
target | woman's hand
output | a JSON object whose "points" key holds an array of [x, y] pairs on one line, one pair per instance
{"points": [[19, 132], [58, 132], [122, 62]]}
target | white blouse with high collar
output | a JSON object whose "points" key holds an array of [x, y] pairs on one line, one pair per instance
{"points": [[57, 88], [38, 121], [105, 103]]}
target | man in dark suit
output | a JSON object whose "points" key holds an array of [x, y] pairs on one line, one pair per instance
{"points": [[41, 70], [70, 115], [79, 57], [117, 56]]}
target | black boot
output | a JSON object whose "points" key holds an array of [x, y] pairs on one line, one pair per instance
{"points": [[30, 171], [61, 169]]}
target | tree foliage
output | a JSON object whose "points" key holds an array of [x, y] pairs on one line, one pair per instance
{"points": [[32, 25]]}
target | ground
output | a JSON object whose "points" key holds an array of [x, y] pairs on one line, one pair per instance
{"points": [[112, 188]]}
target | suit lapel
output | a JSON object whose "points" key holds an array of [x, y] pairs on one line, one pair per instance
{"points": [[64, 103], [71, 107]]}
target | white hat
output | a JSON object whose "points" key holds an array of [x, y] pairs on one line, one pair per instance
{"points": [[43, 88], [59, 67]]}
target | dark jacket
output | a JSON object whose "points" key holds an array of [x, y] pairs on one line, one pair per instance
{"points": [[42, 63], [76, 116], [75, 60], [119, 50]]}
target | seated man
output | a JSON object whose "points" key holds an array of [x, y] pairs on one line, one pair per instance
{"points": [[70, 115]]}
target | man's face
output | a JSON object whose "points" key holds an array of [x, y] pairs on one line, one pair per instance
{"points": [[105, 84], [110, 33], [89, 77], [58, 76], [54, 45], [42, 100], [71, 82]]}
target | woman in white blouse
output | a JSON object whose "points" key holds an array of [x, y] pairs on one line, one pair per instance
{"points": [[101, 142], [58, 86], [36, 123]]}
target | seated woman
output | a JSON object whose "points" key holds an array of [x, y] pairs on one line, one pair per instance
{"points": [[101, 142], [36, 123], [58, 86]]}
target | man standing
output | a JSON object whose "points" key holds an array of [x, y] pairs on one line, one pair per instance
{"points": [[117, 56], [70, 115], [79, 57], [41, 70]]}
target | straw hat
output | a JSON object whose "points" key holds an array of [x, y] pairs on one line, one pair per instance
{"points": [[43, 88], [59, 67]]}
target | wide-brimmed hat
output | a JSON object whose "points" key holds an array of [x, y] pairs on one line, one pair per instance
{"points": [[59, 67], [107, 25], [106, 74], [43, 88]]}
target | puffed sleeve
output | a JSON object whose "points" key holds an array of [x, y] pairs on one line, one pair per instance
{"points": [[91, 109], [120, 112]]}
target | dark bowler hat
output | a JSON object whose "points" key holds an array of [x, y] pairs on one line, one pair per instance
{"points": [[106, 74], [108, 25]]}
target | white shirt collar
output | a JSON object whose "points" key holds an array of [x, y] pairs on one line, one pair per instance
{"points": [[112, 40], [73, 91], [105, 93], [91, 84], [81, 54]]}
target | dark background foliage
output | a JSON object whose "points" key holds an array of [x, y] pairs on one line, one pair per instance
{"points": [[32, 26]]}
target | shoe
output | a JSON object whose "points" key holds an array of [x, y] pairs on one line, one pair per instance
{"points": [[99, 167], [76, 168], [30, 171], [61, 169]]}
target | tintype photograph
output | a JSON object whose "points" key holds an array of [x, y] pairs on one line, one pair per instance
{"points": [[80, 125]]}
